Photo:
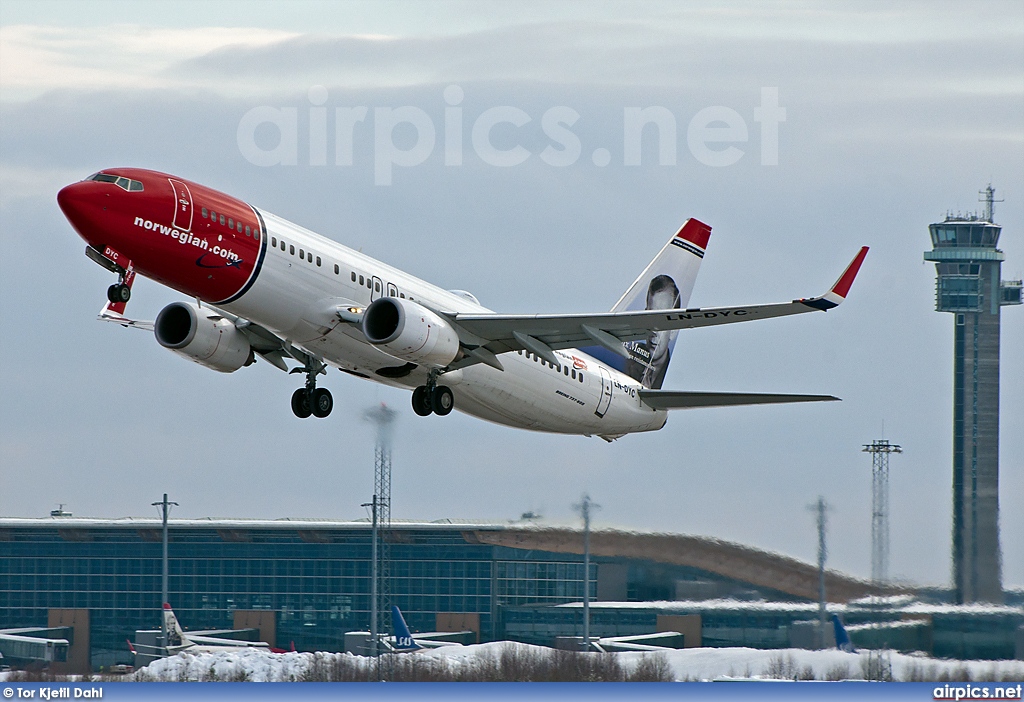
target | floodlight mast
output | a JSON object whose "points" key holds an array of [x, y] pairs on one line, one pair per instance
{"points": [[164, 597], [584, 509], [383, 419]]}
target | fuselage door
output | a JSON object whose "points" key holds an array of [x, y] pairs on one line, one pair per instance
{"points": [[182, 206], [377, 290], [606, 393]]}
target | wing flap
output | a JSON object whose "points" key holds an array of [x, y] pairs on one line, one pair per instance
{"points": [[681, 399]]}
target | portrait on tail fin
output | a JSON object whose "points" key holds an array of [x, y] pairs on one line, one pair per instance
{"points": [[650, 358]]}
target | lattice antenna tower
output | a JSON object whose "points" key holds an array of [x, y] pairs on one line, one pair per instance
{"points": [[880, 449], [383, 419], [989, 198]]}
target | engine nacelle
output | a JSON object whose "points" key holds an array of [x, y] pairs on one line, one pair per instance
{"points": [[410, 332], [203, 336]]}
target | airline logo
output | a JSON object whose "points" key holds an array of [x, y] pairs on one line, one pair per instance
{"points": [[579, 363], [186, 237]]}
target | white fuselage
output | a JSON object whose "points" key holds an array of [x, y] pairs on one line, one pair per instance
{"points": [[294, 297]]}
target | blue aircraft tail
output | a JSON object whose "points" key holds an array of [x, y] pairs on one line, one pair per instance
{"points": [[403, 637], [842, 638]]}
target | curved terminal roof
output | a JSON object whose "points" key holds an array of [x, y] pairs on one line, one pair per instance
{"points": [[761, 569]]}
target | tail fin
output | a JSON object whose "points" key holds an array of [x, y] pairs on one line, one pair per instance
{"points": [[666, 283], [842, 638], [175, 636], [403, 637]]}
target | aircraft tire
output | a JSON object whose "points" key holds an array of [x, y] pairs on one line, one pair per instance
{"points": [[300, 403], [421, 402], [119, 292], [323, 403], [442, 401]]}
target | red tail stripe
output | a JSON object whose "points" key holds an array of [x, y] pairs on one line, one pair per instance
{"points": [[695, 232], [842, 286]]}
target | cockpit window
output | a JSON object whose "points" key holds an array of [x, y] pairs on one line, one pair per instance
{"points": [[134, 186]]}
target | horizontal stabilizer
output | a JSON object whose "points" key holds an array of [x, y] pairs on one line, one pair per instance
{"points": [[678, 399], [110, 316]]}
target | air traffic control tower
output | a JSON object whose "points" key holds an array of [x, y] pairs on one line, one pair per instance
{"points": [[968, 284]]}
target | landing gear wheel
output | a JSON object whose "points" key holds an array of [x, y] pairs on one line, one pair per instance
{"points": [[119, 292], [442, 401], [421, 401], [323, 403], [300, 403]]}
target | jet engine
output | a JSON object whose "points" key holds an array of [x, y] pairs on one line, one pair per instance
{"points": [[204, 336], [410, 332]]}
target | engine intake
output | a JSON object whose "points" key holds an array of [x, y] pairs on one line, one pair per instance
{"points": [[203, 336], [410, 332]]}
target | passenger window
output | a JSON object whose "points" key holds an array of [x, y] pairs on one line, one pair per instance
{"points": [[309, 256], [581, 377], [291, 249], [238, 227], [282, 244], [353, 274], [401, 295], [247, 230], [318, 262], [360, 280], [302, 254], [231, 223], [213, 216], [205, 213], [273, 241], [369, 284], [222, 219], [574, 374], [337, 269], [376, 286], [566, 369]]}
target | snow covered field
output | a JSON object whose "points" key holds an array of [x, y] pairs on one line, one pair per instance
{"points": [[686, 664]]}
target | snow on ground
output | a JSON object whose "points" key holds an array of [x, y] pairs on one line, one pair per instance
{"points": [[686, 664]]}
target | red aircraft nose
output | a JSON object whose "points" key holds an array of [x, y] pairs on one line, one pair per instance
{"points": [[74, 201], [81, 204]]}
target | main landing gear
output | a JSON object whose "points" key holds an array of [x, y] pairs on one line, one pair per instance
{"points": [[312, 400], [432, 398]]}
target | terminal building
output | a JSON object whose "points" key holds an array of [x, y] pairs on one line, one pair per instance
{"points": [[307, 582]]}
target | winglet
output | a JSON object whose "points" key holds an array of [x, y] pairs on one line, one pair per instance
{"points": [[839, 291], [842, 286]]}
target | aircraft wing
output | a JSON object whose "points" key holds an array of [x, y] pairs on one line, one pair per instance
{"points": [[486, 334]]}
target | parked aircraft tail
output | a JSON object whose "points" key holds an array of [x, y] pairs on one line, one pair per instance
{"points": [[843, 642], [665, 284], [175, 636], [403, 637]]}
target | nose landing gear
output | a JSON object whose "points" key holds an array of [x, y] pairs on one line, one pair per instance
{"points": [[312, 400], [119, 292]]}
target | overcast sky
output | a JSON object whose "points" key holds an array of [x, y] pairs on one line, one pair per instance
{"points": [[894, 114]]}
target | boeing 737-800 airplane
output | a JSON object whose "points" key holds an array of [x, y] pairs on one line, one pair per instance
{"points": [[265, 287]]}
